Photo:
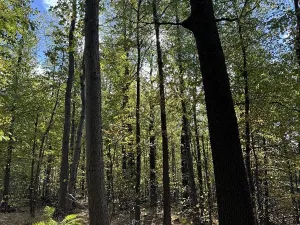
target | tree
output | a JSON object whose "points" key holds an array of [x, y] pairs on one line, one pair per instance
{"points": [[233, 196], [64, 169], [163, 118], [98, 213]]}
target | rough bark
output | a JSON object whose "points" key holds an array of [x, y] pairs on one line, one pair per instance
{"points": [[233, 195], [137, 116], [77, 150], [98, 212], [64, 167], [164, 132]]}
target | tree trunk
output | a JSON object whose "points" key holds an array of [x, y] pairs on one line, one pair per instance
{"points": [[207, 178], [152, 154], [164, 133], [199, 157], [46, 193], [41, 155], [297, 43], [138, 128], [64, 167], [10, 147], [73, 129], [77, 152], [98, 212], [233, 195], [32, 213], [247, 112], [266, 186]]}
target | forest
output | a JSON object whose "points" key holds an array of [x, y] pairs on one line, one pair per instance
{"points": [[148, 112]]}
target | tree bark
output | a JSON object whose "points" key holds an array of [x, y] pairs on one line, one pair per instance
{"points": [[33, 153], [138, 128], [64, 167], [98, 212], [152, 154], [164, 132], [77, 151], [297, 42], [233, 195], [207, 178], [199, 157], [245, 74]]}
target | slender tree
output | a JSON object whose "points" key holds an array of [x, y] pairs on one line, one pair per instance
{"points": [[138, 128], [163, 117], [64, 167]]}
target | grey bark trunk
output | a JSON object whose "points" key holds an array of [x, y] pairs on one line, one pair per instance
{"points": [[98, 212]]}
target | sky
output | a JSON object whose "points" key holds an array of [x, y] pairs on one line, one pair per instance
{"points": [[43, 5]]}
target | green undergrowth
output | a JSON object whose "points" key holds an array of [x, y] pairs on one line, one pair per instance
{"points": [[71, 219]]}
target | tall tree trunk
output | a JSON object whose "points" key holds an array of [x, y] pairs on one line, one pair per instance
{"points": [[297, 42], [10, 147], [77, 151], [152, 154], [138, 128], [207, 178], [64, 167], [233, 195], [73, 129], [199, 157], [83, 175], [257, 185], [41, 155], [266, 186], [164, 132], [46, 193], [185, 131], [247, 111], [98, 212], [33, 153]]}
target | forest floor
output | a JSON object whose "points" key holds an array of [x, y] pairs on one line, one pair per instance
{"points": [[121, 218]]}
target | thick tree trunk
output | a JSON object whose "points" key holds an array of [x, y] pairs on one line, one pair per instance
{"points": [[77, 151], [164, 132], [98, 212], [64, 167], [33, 153], [138, 128], [233, 195]]}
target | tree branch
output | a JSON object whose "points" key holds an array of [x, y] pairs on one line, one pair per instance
{"points": [[285, 106], [226, 19]]}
